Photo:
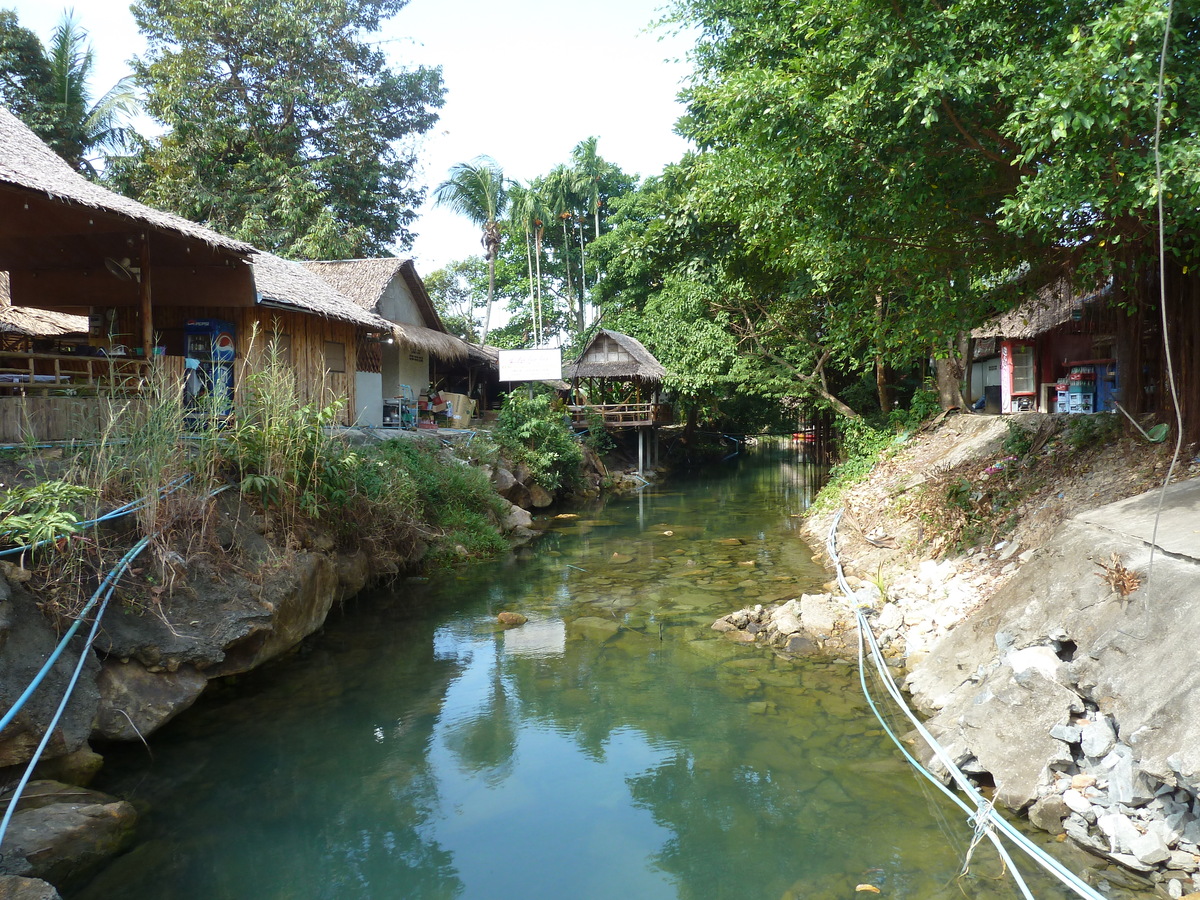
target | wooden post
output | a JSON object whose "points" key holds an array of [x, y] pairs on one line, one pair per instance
{"points": [[147, 319], [641, 451]]}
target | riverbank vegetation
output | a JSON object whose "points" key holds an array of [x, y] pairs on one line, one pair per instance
{"points": [[164, 462]]}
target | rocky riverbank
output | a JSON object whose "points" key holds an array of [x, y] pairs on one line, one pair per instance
{"points": [[1049, 660], [250, 597]]}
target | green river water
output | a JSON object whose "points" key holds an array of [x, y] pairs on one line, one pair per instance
{"points": [[614, 747]]}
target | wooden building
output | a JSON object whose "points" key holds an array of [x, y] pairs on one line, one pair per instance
{"points": [[397, 370], [140, 276], [617, 378], [1055, 352]]}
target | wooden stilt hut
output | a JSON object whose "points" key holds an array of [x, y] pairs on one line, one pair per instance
{"points": [[617, 378]]}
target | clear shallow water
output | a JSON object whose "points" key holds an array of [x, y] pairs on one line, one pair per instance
{"points": [[613, 747]]}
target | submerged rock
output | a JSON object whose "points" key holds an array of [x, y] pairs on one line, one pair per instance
{"points": [[511, 619]]}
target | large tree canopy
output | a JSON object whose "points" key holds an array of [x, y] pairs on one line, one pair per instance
{"points": [[287, 127]]}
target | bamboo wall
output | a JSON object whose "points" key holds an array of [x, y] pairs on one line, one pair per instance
{"points": [[253, 328]]}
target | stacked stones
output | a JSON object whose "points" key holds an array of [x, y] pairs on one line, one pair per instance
{"points": [[1109, 806], [814, 623]]}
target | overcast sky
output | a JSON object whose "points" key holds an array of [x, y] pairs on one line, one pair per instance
{"points": [[526, 81]]}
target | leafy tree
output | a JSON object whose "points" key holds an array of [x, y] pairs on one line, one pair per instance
{"points": [[479, 191], [454, 291], [50, 89], [287, 128]]}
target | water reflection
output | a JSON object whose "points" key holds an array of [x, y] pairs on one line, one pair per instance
{"points": [[612, 747]]}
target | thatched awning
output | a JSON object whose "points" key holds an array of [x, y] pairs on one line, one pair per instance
{"points": [[439, 343], [27, 163], [613, 355], [1047, 309], [35, 323]]}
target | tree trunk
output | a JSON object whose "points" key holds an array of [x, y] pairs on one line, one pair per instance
{"points": [[949, 380]]}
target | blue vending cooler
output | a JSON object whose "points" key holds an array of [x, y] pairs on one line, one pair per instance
{"points": [[210, 350]]}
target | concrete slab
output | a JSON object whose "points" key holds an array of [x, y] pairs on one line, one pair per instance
{"points": [[1178, 527]]}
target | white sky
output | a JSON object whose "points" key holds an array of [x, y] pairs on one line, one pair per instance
{"points": [[526, 81]]}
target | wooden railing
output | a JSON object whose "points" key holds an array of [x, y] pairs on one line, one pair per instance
{"points": [[622, 415], [41, 374]]}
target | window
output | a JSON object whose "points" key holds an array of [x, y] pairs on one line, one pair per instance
{"points": [[1023, 380], [335, 356]]}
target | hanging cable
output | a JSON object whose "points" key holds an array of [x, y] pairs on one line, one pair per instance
{"points": [[868, 643]]}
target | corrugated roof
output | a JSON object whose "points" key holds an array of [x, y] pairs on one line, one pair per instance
{"points": [[636, 362], [26, 162]]}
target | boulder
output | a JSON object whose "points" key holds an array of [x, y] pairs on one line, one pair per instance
{"points": [[1048, 813], [61, 833], [14, 887], [27, 639], [539, 496], [503, 481], [516, 518], [820, 614], [135, 702], [511, 619]]}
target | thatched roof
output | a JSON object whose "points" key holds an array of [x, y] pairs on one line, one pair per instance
{"points": [[364, 281], [27, 163], [1048, 308], [35, 323], [610, 354], [289, 285]]}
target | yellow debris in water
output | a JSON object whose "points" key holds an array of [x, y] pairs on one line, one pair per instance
{"points": [[567, 516], [869, 888], [668, 533]]}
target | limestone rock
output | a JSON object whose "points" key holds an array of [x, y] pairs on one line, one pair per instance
{"points": [[1098, 737], [62, 832], [511, 619], [1048, 813], [135, 702], [539, 496], [79, 767], [14, 887], [503, 481], [516, 518]]}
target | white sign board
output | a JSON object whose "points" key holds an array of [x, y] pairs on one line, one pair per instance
{"points": [[531, 365]]}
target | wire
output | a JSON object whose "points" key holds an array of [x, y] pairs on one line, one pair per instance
{"points": [[1162, 284]]}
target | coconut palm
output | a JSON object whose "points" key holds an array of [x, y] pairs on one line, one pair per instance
{"points": [[564, 195], [529, 213], [479, 191], [79, 128], [591, 169]]}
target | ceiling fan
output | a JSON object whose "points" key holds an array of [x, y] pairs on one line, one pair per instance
{"points": [[122, 269]]}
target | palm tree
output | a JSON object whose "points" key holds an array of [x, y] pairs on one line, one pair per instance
{"points": [[563, 193], [530, 212], [79, 128], [479, 191], [591, 169]]}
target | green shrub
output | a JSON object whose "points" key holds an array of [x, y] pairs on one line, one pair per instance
{"points": [[1018, 441], [861, 446], [39, 512], [537, 432], [1083, 432]]}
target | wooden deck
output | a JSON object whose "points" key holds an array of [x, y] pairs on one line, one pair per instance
{"points": [[622, 415]]}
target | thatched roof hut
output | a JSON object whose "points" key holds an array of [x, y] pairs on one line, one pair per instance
{"points": [[616, 356], [1050, 307], [372, 283], [290, 285]]}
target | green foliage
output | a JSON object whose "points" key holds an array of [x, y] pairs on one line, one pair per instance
{"points": [[537, 432], [458, 291], [861, 446], [454, 499], [285, 123], [40, 512], [1018, 442], [923, 406], [50, 89], [1085, 432]]}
